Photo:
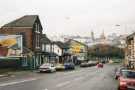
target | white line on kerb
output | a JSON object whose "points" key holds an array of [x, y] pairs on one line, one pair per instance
{"points": [[17, 82]]}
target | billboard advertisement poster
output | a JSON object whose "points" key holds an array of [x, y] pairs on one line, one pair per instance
{"points": [[11, 46]]}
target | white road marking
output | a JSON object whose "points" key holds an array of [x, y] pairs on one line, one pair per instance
{"points": [[17, 82], [62, 84], [70, 72], [67, 82], [45, 89], [79, 78]]}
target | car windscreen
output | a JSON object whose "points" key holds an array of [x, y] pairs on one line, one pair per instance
{"points": [[128, 74], [46, 65]]}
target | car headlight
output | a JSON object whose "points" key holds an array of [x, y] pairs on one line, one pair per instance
{"points": [[123, 84]]}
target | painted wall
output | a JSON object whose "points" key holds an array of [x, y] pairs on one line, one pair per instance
{"points": [[78, 50], [57, 50]]}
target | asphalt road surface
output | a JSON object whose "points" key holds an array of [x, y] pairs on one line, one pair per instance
{"points": [[91, 78]]}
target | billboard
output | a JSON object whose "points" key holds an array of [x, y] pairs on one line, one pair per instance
{"points": [[11, 45]]}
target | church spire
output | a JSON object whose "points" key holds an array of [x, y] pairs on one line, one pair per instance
{"points": [[103, 35]]}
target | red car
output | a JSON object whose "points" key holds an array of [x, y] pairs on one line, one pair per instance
{"points": [[100, 65], [127, 80]]}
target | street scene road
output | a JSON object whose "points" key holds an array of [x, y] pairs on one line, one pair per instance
{"points": [[91, 78], [67, 45]]}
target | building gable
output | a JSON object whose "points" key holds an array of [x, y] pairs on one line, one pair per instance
{"points": [[25, 21]]}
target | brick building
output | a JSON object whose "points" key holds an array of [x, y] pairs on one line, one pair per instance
{"points": [[30, 28], [130, 51]]}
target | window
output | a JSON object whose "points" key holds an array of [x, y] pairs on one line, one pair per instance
{"points": [[24, 62], [81, 50], [37, 41], [23, 36], [43, 47], [58, 50], [48, 47], [37, 28], [128, 74], [37, 37]]}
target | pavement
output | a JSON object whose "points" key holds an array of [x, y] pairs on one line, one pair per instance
{"points": [[91, 78]]}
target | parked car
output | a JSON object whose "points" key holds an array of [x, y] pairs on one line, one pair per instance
{"points": [[103, 61], [92, 63], [60, 67], [47, 67], [118, 71], [100, 65], [116, 61], [84, 64], [127, 80], [69, 66]]}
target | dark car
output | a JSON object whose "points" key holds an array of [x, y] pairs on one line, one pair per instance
{"points": [[127, 80], [84, 64], [60, 67], [103, 61], [69, 66]]}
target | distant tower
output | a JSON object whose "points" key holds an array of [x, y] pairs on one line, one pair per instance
{"points": [[103, 36], [92, 35]]}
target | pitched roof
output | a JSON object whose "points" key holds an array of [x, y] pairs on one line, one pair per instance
{"points": [[25, 21], [61, 44], [131, 36], [45, 39], [69, 41]]}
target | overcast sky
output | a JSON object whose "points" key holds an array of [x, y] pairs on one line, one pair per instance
{"points": [[76, 17]]}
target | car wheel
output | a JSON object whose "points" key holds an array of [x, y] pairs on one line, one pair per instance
{"points": [[116, 77], [40, 71], [51, 71]]}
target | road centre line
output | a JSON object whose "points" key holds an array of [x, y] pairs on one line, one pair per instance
{"points": [[63, 84], [67, 82], [17, 82], [74, 72], [45, 89], [70, 72], [79, 78]]}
